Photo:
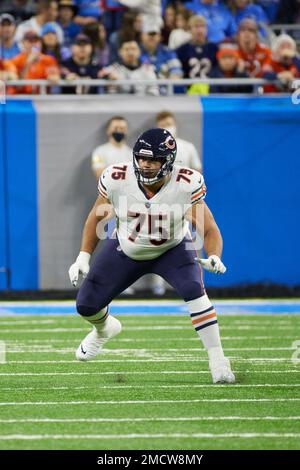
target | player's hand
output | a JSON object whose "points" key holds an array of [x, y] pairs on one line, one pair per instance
{"points": [[81, 267], [212, 264]]}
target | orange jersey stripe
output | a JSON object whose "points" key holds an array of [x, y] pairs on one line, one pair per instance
{"points": [[102, 186], [102, 193], [198, 194], [207, 317]]}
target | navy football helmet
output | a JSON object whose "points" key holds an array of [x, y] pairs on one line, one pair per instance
{"points": [[154, 144]]}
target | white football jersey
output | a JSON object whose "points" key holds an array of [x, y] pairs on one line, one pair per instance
{"points": [[108, 154], [146, 228]]}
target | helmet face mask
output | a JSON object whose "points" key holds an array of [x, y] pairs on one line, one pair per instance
{"points": [[156, 145], [141, 173]]}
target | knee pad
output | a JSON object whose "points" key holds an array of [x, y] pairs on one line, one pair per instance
{"points": [[86, 311], [191, 290], [90, 299]]}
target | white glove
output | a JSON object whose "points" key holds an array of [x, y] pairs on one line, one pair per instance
{"points": [[212, 264], [80, 267]]}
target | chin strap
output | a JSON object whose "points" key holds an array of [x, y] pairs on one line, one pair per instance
{"points": [[165, 169]]}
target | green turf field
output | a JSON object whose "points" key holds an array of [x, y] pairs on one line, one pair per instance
{"points": [[150, 389]]}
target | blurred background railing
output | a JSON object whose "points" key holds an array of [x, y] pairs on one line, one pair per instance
{"points": [[169, 86]]}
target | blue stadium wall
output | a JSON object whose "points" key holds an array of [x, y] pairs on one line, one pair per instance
{"points": [[250, 153], [18, 197]]}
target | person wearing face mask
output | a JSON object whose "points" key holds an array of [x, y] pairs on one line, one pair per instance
{"points": [[115, 150], [187, 154]]}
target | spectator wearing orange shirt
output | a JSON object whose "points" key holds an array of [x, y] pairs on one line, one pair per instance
{"points": [[283, 66], [253, 54], [7, 70], [31, 64]]}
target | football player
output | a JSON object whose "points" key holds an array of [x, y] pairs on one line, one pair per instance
{"points": [[154, 200]]}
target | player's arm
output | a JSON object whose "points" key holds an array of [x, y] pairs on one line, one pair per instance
{"points": [[100, 212], [203, 220], [213, 242]]}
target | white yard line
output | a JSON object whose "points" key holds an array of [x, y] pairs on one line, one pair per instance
{"points": [[154, 340], [141, 420], [147, 402], [120, 387], [138, 350], [40, 374], [13, 437], [16, 322], [44, 330], [40, 350], [115, 359], [34, 351], [142, 328]]}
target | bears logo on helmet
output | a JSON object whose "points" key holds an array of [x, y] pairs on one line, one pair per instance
{"points": [[170, 142]]}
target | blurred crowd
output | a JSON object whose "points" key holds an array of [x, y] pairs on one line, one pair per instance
{"points": [[146, 40]]}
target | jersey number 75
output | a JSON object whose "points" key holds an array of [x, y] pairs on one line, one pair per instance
{"points": [[154, 223]]}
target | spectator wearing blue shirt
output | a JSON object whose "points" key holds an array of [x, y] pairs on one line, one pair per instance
{"points": [[8, 46], [112, 15], [219, 19], [244, 9], [67, 10], [89, 11], [270, 7], [164, 60]]}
